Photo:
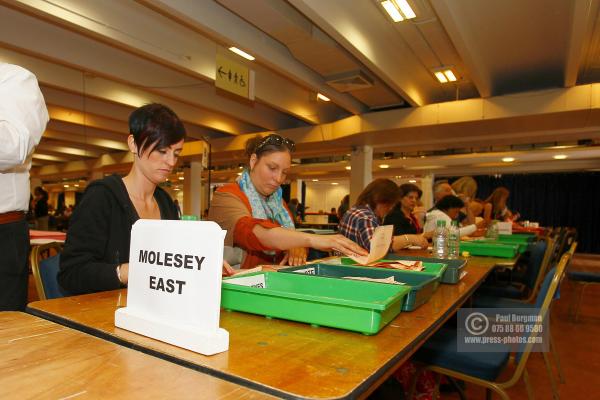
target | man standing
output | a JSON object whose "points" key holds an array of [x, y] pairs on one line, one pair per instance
{"points": [[23, 118]]}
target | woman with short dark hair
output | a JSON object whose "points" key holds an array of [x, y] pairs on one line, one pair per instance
{"points": [[447, 210], [401, 216], [259, 225], [96, 253]]}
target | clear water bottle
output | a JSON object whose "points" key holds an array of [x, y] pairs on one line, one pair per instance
{"points": [[453, 240], [440, 240]]}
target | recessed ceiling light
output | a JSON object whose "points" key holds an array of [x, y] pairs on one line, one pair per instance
{"points": [[315, 180], [241, 53], [444, 74], [406, 9], [412, 181], [508, 159], [76, 185], [239, 173], [450, 75], [348, 167], [441, 77], [66, 186], [559, 156], [392, 11], [384, 166], [181, 178], [334, 183], [323, 97], [399, 10], [176, 188]]}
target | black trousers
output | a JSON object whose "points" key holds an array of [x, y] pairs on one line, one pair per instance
{"points": [[14, 273]]}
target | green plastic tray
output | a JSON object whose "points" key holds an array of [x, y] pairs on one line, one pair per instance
{"points": [[359, 306], [490, 249], [435, 268], [521, 247], [525, 238], [421, 286]]}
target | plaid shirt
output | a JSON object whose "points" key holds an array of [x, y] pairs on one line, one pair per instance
{"points": [[358, 225]]}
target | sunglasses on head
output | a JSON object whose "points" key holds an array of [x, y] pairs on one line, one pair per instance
{"points": [[276, 140]]}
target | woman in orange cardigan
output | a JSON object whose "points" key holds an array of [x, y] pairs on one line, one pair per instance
{"points": [[256, 217]]}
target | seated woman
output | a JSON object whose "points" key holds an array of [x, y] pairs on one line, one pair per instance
{"points": [[447, 209], [255, 215], [372, 205], [465, 188], [96, 252], [495, 207], [401, 216]]}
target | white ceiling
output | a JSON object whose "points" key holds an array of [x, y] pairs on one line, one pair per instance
{"points": [[98, 60]]}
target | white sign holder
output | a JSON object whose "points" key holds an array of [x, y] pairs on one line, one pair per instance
{"points": [[174, 289]]}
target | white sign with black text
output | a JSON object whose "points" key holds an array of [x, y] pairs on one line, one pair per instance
{"points": [[174, 289]]}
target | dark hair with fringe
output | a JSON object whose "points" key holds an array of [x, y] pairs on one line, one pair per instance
{"points": [[448, 202], [407, 188], [155, 126], [379, 191]]}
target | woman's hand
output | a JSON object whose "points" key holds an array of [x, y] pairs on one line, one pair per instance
{"points": [[227, 269], [295, 256], [337, 243], [419, 240], [123, 273]]}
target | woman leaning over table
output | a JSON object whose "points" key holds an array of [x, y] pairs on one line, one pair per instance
{"points": [[255, 216], [447, 210], [96, 253], [372, 205]]}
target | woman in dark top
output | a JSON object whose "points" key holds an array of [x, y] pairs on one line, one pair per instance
{"points": [[402, 217], [96, 253]]}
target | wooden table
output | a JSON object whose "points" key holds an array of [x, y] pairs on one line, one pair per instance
{"points": [[284, 358], [41, 359]]}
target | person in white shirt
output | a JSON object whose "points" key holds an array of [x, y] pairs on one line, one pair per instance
{"points": [[447, 209], [23, 119]]}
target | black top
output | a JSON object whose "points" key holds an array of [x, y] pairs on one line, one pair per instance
{"points": [[99, 235], [402, 224]]}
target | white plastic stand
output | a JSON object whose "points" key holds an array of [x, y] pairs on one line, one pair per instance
{"points": [[174, 291]]}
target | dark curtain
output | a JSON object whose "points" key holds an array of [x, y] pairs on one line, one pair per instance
{"points": [[559, 199]]}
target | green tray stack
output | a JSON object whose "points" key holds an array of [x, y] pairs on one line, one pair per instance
{"points": [[359, 306], [522, 247], [422, 286], [480, 248]]}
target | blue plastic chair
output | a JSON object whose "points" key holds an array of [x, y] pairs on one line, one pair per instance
{"points": [[439, 354], [45, 270], [538, 254]]}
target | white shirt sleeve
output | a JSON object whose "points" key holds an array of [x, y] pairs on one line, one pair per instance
{"points": [[23, 115], [432, 218], [467, 230]]}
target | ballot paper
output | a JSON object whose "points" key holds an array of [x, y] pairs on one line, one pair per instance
{"points": [[407, 265], [380, 245], [389, 279], [248, 271]]}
